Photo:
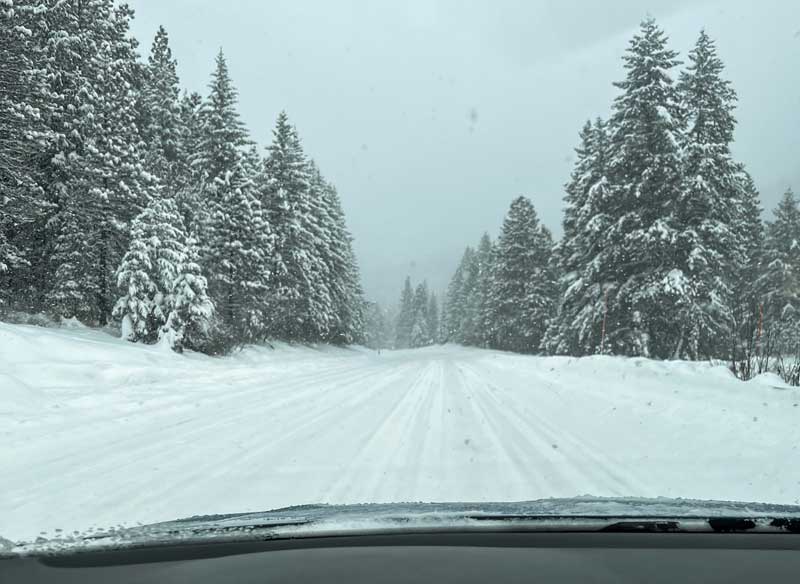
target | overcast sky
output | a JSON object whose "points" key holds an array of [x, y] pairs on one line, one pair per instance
{"points": [[431, 115]]}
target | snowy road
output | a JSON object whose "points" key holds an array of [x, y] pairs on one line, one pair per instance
{"points": [[97, 432]]}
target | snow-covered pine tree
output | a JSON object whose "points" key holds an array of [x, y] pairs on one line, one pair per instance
{"points": [[420, 327], [190, 177], [647, 284], [457, 294], [779, 283], [236, 256], [235, 238], [156, 258], [191, 309], [467, 330], [580, 256], [325, 242], [523, 286], [162, 126], [450, 321], [136, 306], [301, 301], [405, 316], [747, 298], [749, 233], [710, 250], [79, 284], [419, 333], [223, 137], [441, 336], [378, 332], [350, 327], [23, 109], [94, 171], [432, 317], [344, 281], [477, 326], [220, 139]]}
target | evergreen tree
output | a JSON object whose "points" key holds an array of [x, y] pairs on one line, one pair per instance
{"points": [[189, 169], [302, 303], [419, 332], [476, 328], [93, 172], [457, 294], [746, 303], [780, 281], [236, 242], [581, 257], [523, 286], [441, 335], [344, 281], [710, 209], [236, 256], [466, 329], [749, 233], [136, 306], [432, 316], [646, 282], [405, 317], [378, 333], [223, 137], [420, 327], [189, 322], [162, 126], [79, 284], [219, 144], [23, 109], [157, 257]]}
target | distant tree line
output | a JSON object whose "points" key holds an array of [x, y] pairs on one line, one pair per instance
{"points": [[124, 200], [663, 254], [417, 323]]}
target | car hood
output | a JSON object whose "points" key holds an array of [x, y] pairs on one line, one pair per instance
{"points": [[572, 514]]}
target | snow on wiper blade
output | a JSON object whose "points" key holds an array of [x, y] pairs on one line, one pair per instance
{"points": [[576, 514]]}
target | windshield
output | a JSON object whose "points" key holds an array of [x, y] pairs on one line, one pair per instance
{"points": [[262, 254]]}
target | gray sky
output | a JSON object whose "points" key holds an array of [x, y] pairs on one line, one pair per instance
{"points": [[431, 115]]}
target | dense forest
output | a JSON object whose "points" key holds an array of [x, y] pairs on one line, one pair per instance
{"points": [[663, 252], [125, 200]]}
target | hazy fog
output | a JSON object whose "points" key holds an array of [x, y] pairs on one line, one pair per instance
{"points": [[429, 116]]}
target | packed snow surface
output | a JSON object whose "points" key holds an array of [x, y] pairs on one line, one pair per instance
{"points": [[99, 432]]}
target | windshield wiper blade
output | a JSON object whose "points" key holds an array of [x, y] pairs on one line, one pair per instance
{"points": [[659, 524], [643, 526], [790, 525]]}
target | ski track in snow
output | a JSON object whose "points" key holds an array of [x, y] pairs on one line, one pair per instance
{"points": [[96, 432]]}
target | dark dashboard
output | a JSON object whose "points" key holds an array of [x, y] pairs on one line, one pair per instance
{"points": [[445, 556]]}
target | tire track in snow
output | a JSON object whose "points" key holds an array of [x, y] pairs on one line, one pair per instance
{"points": [[295, 389], [155, 445], [604, 480], [367, 474], [427, 425], [526, 481]]}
